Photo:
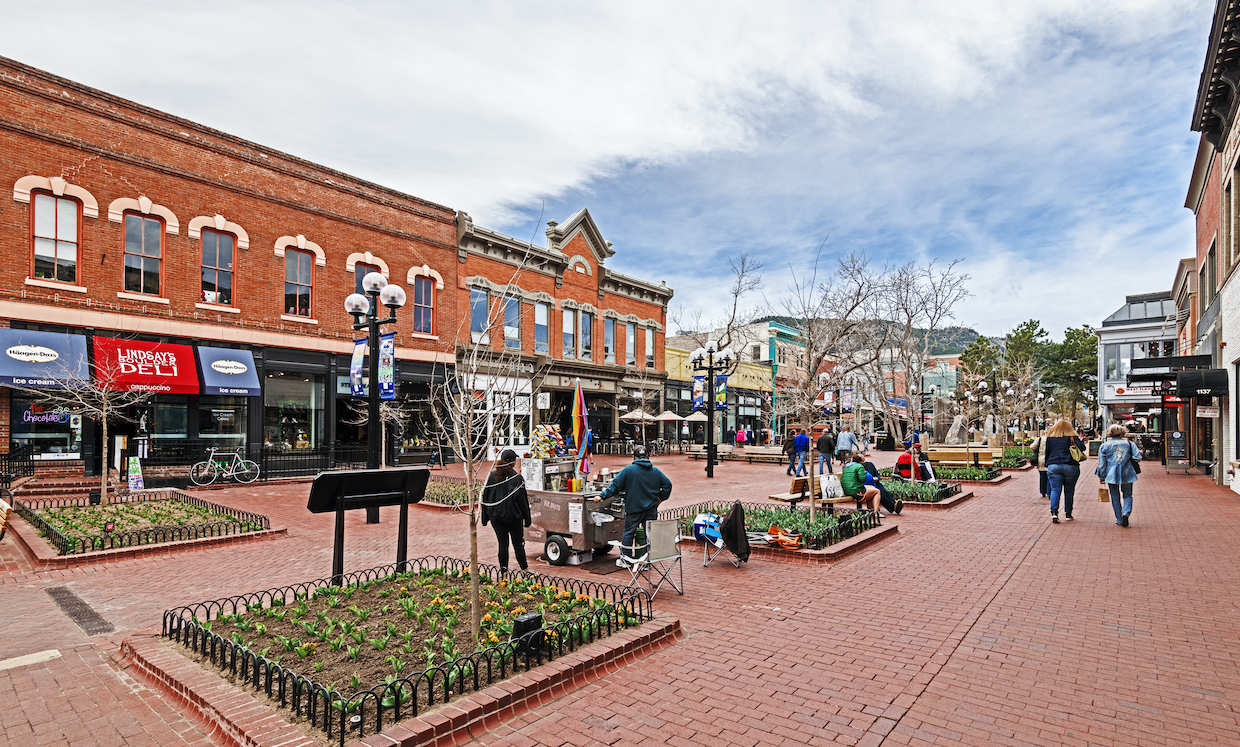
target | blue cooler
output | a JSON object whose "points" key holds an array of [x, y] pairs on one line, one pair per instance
{"points": [[699, 525]]}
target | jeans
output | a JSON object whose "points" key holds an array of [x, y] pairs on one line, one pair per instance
{"points": [[824, 458], [1062, 479], [510, 530], [800, 469], [631, 523], [1116, 490]]}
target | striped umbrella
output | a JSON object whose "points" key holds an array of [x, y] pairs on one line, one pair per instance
{"points": [[581, 430]]}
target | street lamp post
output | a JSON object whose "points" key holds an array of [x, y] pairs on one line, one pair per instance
{"points": [[365, 312], [711, 365]]}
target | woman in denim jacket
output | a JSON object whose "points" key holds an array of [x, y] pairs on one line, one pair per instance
{"points": [[1115, 467]]}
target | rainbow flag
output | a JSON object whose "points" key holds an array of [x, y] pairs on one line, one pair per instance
{"points": [[581, 430]]}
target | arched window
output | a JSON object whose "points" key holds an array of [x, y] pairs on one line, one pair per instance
{"points": [[144, 252], [55, 223], [217, 267], [299, 283]]}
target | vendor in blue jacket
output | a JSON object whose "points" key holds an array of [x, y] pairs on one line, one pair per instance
{"points": [[644, 487]]}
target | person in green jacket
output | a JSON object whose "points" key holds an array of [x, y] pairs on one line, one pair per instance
{"points": [[852, 479], [644, 487]]}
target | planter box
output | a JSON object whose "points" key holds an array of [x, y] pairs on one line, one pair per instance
{"points": [[942, 505], [832, 554]]}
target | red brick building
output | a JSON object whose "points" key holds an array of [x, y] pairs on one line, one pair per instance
{"points": [[562, 316]]}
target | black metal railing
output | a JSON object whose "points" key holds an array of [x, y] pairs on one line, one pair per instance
{"points": [[17, 463], [275, 463], [842, 525], [237, 522], [367, 711]]}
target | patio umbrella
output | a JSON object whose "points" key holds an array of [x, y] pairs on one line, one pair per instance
{"points": [[667, 416], [697, 417], [581, 430], [639, 415]]}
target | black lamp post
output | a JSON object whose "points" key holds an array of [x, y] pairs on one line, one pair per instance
{"points": [[703, 359], [365, 312]]}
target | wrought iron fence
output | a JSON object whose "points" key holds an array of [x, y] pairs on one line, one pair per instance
{"points": [[276, 463], [367, 711], [17, 463], [845, 524], [238, 522]]}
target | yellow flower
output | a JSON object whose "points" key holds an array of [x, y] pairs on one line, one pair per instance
{"points": [[518, 612], [486, 618]]}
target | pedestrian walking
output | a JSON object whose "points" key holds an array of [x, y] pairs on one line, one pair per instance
{"points": [[1062, 466], [826, 451], [845, 445], [644, 487], [1119, 462], [801, 449], [790, 451], [506, 506]]}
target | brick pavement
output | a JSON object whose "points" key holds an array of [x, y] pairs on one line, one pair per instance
{"points": [[983, 624]]}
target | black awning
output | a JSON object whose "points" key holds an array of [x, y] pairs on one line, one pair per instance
{"points": [[1177, 361], [1210, 382]]}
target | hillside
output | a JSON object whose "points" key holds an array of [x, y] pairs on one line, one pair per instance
{"points": [[951, 340]]}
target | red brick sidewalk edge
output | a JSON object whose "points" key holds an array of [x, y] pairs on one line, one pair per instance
{"points": [[994, 481], [235, 718], [832, 554], [942, 505], [43, 556]]}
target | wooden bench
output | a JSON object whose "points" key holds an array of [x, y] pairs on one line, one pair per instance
{"points": [[758, 453], [699, 451], [5, 511], [800, 489], [963, 457]]}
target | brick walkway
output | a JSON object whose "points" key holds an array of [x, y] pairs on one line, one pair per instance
{"points": [[980, 625]]}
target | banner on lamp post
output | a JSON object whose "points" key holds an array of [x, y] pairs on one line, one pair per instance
{"points": [[721, 392], [356, 387], [699, 393], [387, 366]]}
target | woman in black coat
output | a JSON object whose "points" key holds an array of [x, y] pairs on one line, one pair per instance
{"points": [[506, 506]]}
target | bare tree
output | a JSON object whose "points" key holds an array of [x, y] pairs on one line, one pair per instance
{"points": [[733, 328], [838, 320], [101, 398], [392, 415]]}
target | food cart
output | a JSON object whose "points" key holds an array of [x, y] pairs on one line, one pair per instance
{"points": [[566, 513]]}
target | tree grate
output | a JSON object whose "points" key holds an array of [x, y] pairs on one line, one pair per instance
{"points": [[79, 611]]}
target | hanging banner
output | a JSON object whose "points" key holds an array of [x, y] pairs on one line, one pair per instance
{"points": [[355, 368], [699, 393], [387, 366], [721, 392], [846, 403]]}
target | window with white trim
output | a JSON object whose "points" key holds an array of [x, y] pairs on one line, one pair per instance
{"points": [[570, 336], [217, 267], [587, 336], [649, 347], [542, 328], [298, 283], [477, 315], [609, 340], [424, 305], [144, 251], [55, 237], [512, 324], [630, 345]]}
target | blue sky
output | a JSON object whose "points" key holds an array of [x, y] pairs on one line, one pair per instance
{"points": [[1046, 144]]}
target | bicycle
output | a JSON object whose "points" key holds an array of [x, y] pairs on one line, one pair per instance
{"points": [[206, 472]]}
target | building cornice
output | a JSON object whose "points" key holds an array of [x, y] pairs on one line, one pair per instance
{"points": [[1202, 166], [1214, 110]]}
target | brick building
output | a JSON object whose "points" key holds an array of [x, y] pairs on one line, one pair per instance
{"points": [[193, 248], [559, 315]]}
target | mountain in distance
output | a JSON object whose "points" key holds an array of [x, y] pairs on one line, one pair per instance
{"points": [[951, 340]]}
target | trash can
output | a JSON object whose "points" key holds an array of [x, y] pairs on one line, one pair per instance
{"points": [[886, 441]]}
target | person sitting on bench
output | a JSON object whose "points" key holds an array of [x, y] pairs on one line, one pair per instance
{"points": [[852, 479], [905, 461]]}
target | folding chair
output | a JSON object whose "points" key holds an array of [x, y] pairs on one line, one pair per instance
{"points": [[712, 533], [659, 559]]}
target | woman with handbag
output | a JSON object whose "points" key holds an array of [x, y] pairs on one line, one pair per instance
{"points": [[1064, 452], [1119, 462]]}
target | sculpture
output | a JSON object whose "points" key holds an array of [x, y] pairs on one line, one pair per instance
{"points": [[958, 434], [990, 425]]}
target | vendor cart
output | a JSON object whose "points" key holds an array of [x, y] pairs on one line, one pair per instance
{"points": [[573, 527]]}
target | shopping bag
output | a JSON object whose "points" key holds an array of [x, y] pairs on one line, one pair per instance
{"points": [[1104, 495]]}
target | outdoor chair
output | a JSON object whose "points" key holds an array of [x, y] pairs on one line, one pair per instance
{"points": [[654, 562], [712, 536]]}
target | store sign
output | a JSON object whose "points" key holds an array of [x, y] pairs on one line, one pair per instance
{"points": [[41, 359], [228, 371], [232, 368], [41, 414], [1207, 411], [32, 354], [134, 366]]}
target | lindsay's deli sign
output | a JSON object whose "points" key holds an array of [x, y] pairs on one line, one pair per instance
{"points": [[135, 366]]}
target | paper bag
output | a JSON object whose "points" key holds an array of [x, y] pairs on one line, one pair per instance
{"points": [[1104, 495]]}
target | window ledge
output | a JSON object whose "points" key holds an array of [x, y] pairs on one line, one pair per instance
{"points": [[217, 307], [423, 336], [298, 319], [141, 297], [55, 285]]}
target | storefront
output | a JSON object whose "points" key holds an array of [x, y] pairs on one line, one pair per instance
{"points": [[36, 360]]}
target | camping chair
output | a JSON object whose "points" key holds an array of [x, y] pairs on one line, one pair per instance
{"points": [[659, 558], [712, 534]]}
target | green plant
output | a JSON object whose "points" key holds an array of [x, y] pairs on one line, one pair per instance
{"points": [[354, 651]]}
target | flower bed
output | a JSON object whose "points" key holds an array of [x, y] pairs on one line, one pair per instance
{"points": [[445, 491], [389, 644], [824, 531], [74, 526], [921, 492]]}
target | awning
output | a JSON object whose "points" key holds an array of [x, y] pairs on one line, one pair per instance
{"points": [[228, 371], [135, 366], [1210, 382], [46, 360]]}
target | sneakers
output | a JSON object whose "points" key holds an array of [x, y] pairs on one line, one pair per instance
{"points": [[899, 506], [1123, 520], [1067, 517], [1054, 518]]}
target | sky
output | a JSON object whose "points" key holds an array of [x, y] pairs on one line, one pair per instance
{"points": [[1044, 144]]}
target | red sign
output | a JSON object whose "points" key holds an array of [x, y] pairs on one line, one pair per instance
{"points": [[133, 366]]}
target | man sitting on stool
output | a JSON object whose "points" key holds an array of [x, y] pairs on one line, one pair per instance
{"points": [[644, 487]]}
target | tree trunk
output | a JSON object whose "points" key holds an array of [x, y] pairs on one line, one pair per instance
{"points": [[107, 468]]}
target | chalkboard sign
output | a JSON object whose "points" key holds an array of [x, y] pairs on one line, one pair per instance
{"points": [[1176, 444]]}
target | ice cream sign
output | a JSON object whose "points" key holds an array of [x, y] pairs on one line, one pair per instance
{"points": [[32, 354], [232, 368]]}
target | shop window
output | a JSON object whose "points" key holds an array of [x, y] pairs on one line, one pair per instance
{"points": [[512, 324], [755, 353], [424, 305], [570, 333], [609, 340], [477, 315], [171, 417], [217, 267], [542, 328], [293, 412], [649, 347], [361, 270], [587, 335], [55, 235], [144, 251], [298, 283], [53, 431], [222, 420], [630, 345]]}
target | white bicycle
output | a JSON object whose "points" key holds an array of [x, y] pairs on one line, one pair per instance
{"points": [[212, 469]]}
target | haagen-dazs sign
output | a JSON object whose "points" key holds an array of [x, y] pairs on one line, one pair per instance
{"points": [[232, 368], [32, 354]]}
